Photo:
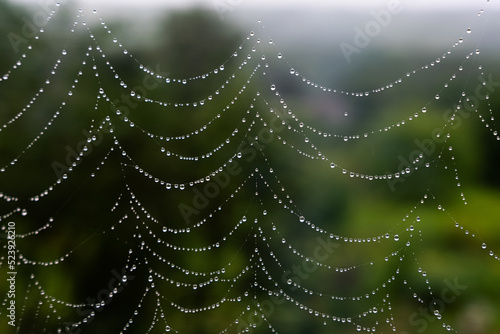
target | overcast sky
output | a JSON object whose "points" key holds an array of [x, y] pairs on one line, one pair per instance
{"points": [[427, 4], [264, 4]]}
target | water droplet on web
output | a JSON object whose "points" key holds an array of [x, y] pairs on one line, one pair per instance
{"points": [[124, 278], [292, 71], [280, 56], [424, 109], [24, 212], [302, 219], [396, 237], [483, 246], [469, 30], [437, 97], [273, 87]]}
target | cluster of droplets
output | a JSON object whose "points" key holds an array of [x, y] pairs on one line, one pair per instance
{"points": [[399, 124], [33, 100], [149, 231], [29, 48], [436, 62]]}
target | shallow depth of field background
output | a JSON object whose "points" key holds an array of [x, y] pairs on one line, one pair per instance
{"points": [[185, 41]]}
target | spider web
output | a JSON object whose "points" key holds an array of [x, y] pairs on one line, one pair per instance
{"points": [[142, 206]]}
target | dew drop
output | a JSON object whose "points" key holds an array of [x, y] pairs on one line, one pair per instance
{"points": [[396, 237], [273, 87], [292, 71], [24, 212], [424, 110], [302, 219], [483, 246], [280, 56], [469, 30]]}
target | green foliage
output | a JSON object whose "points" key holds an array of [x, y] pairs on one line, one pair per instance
{"points": [[189, 44]]}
